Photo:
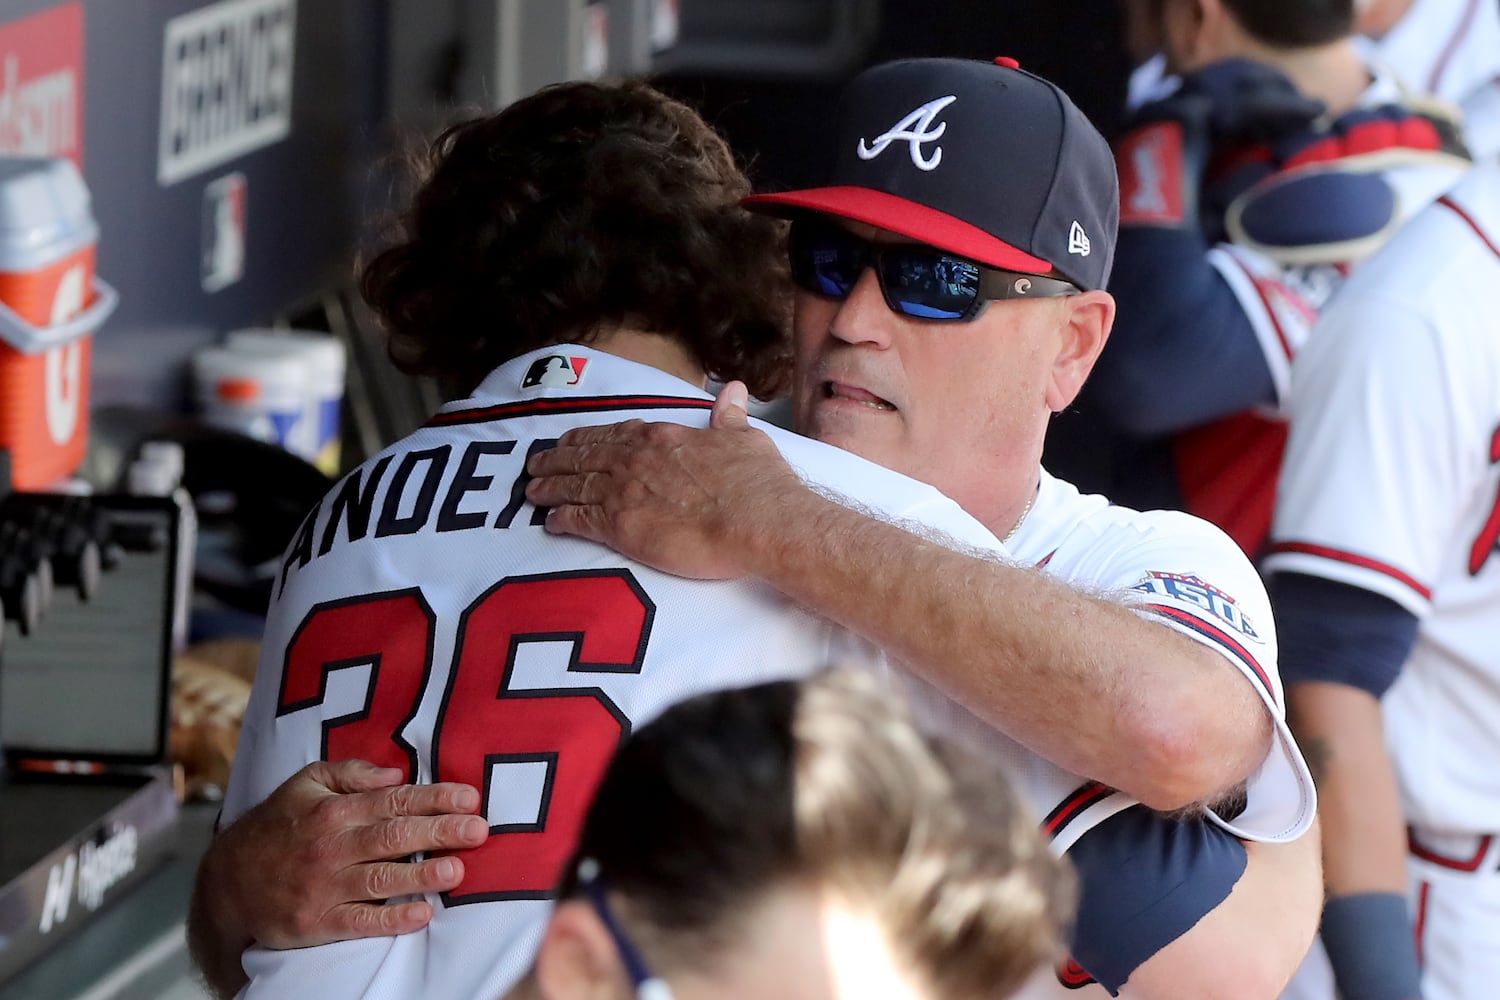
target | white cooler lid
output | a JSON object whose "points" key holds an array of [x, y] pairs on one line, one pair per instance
{"points": [[45, 212]]}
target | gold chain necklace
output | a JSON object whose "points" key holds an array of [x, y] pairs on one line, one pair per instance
{"points": [[1022, 519]]}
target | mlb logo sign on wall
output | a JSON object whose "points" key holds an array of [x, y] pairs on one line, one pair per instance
{"points": [[223, 246], [41, 84], [595, 41], [554, 372], [666, 24], [226, 84]]}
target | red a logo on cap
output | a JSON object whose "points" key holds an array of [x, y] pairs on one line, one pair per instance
{"points": [[1149, 162]]}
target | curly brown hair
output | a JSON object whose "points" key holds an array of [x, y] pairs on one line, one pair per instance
{"points": [[584, 207]]}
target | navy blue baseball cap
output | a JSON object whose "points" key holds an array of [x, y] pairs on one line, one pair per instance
{"points": [[981, 159]]}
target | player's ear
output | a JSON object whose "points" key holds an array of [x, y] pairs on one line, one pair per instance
{"points": [[1190, 31], [1084, 332], [577, 959]]}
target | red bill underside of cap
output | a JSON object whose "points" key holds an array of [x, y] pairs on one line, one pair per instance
{"points": [[900, 215]]}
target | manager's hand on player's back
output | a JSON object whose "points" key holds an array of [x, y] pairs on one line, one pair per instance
{"points": [[684, 500], [314, 862]]}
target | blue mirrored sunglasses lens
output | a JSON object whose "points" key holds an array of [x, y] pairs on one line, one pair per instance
{"points": [[833, 269], [930, 286]]}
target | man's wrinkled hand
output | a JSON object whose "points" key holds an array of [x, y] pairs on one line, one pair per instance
{"points": [[312, 863], [685, 500]]}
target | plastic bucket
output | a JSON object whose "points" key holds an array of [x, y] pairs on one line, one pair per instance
{"points": [[322, 356], [51, 304], [262, 396]]}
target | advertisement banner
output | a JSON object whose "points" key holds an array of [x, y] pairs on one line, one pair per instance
{"points": [[226, 84], [41, 84]]}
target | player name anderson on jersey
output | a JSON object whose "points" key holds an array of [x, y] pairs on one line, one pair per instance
{"points": [[409, 503]]}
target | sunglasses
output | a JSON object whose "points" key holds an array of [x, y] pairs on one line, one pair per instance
{"points": [[647, 985], [917, 280]]}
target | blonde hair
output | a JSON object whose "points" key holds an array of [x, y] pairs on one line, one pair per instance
{"points": [[829, 781]]}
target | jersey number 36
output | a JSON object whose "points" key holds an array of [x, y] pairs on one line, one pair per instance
{"points": [[481, 722]]}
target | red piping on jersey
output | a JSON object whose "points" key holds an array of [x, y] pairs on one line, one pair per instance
{"points": [[1452, 864], [1421, 923], [1074, 805], [1045, 560], [582, 404], [1219, 636], [1364, 562], [1488, 538], [1074, 976], [1462, 213], [1286, 345], [1459, 31]]}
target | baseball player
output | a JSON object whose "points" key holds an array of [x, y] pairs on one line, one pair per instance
{"points": [[425, 512], [1386, 575], [1281, 158], [1447, 48], [838, 853]]}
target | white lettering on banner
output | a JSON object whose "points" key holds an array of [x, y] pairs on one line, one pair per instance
{"points": [[59, 893], [98, 867], [41, 83], [226, 84], [102, 866], [37, 116]]}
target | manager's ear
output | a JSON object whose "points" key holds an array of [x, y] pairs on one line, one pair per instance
{"points": [[1084, 332], [577, 959]]}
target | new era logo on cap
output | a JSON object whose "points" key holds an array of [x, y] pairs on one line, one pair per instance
{"points": [[916, 129], [1078, 240]]}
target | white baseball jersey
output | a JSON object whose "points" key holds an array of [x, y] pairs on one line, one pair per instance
{"points": [[1182, 571], [425, 620], [1185, 573], [1451, 49], [1392, 483]]}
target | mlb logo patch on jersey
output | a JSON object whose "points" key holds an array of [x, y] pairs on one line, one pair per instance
{"points": [[555, 371], [1193, 590]]}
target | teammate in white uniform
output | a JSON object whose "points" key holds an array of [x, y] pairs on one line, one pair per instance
{"points": [[1248, 192], [1387, 578], [1447, 48], [1194, 586]]}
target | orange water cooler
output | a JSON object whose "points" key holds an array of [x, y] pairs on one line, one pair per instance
{"points": [[51, 304]]}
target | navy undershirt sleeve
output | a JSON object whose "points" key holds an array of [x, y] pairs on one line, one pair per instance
{"points": [[1145, 880], [1330, 631], [1182, 351]]}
